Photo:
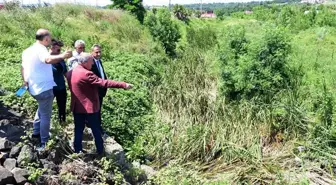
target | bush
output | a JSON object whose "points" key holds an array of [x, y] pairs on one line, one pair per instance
{"points": [[326, 17], [163, 29], [133, 6], [126, 113], [201, 36], [255, 70]]}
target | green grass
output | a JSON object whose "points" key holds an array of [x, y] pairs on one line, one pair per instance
{"points": [[176, 114]]}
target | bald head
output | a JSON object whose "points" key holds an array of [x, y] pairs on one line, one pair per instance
{"points": [[43, 36], [86, 60], [41, 33]]}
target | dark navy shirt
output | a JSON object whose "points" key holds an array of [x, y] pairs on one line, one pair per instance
{"points": [[59, 70]]}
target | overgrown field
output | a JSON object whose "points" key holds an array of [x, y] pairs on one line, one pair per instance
{"points": [[242, 100]]}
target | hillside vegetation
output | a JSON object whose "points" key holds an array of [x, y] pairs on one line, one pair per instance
{"points": [[244, 99]]}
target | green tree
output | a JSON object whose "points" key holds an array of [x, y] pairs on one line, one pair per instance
{"points": [[134, 6], [258, 69], [181, 13], [163, 29]]}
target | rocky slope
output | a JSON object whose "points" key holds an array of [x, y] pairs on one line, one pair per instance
{"points": [[20, 163]]}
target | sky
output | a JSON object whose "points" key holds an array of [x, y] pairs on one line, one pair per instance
{"points": [[145, 2], [166, 2]]}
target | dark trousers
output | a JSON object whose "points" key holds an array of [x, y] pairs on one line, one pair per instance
{"points": [[101, 104], [61, 98], [94, 123]]}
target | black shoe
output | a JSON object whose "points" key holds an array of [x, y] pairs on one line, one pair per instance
{"points": [[38, 136], [36, 139]]}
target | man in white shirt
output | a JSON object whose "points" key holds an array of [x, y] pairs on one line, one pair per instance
{"points": [[79, 48], [38, 77]]}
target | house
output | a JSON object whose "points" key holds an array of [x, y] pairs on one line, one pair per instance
{"points": [[248, 12], [208, 14], [2, 6]]}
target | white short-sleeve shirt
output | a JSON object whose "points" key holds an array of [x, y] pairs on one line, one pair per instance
{"points": [[73, 62], [37, 73]]}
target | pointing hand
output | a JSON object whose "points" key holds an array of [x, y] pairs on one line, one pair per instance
{"points": [[67, 54], [128, 86]]}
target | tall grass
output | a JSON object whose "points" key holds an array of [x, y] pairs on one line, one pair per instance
{"points": [[246, 141], [177, 114]]}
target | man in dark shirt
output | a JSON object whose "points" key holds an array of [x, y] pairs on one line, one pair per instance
{"points": [[98, 69], [59, 72]]}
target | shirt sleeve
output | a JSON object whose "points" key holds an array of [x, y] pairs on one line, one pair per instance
{"points": [[64, 67], [95, 80], [23, 59], [43, 55]]}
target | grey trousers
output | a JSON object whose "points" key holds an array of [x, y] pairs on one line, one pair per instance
{"points": [[43, 114]]}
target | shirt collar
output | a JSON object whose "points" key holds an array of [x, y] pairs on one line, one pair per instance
{"points": [[75, 53], [39, 44]]}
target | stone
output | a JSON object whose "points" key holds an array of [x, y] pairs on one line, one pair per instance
{"points": [[10, 164], [4, 122], [109, 178], [26, 155], [3, 157], [20, 171], [13, 112], [15, 151], [48, 165], [150, 172], [136, 164], [115, 149], [6, 177], [301, 149], [55, 156], [5, 144], [20, 176], [11, 132]]}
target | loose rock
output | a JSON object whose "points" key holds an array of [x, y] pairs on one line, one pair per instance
{"points": [[6, 177], [10, 164], [115, 149], [15, 151], [55, 156], [3, 157], [15, 113], [11, 132], [4, 122], [20, 176], [150, 172], [49, 165], [5, 144], [26, 155]]}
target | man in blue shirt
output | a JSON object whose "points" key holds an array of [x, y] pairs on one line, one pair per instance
{"points": [[59, 72]]}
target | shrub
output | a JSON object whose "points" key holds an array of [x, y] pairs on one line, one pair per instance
{"points": [[201, 36], [126, 113], [163, 29], [326, 17], [255, 69], [133, 6]]}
